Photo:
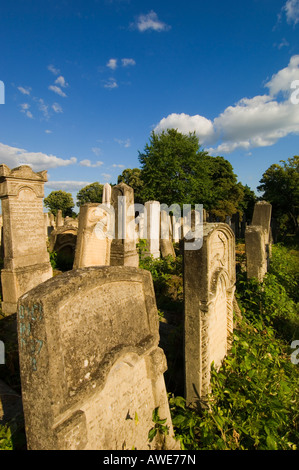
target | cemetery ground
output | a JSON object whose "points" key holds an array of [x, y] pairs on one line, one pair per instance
{"points": [[254, 397]]}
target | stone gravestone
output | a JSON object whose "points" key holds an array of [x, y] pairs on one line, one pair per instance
{"points": [[166, 245], [123, 246], [91, 368], [209, 285], [152, 214], [258, 241], [26, 259], [93, 239]]}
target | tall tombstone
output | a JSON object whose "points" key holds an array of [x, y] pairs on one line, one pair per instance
{"points": [[91, 368], [152, 209], [209, 285], [166, 245], [258, 241], [107, 192], [94, 238], [123, 246], [26, 259]]}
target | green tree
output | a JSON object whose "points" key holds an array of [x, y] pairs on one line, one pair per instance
{"points": [[91, 193], [132, 177], [280, 185], [60, 200], [175, 170]]}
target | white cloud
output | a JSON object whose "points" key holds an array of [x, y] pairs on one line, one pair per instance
{"points": [[291, 9], [44, 108], [106, 176], [111, 83], [24, 90], [13, 157], [126, 62], [53, 69], [25, 109], [118, 166], [126, 143], [61, 82], [57, 108], [112, 64], [184, 123], [281, 81], [57, 90], [283, 43], [47, 131], [150, 21], [97, 151], [88, 163], [251, 122], [72, 186]]}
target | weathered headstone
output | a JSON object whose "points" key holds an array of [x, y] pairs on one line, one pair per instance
{"points": [[152, 209], [166, 245], [93, 240], [91, 368], [258, 241], [123, 247], [256, 256], [59, 221], [26, 260], [209, 285]]}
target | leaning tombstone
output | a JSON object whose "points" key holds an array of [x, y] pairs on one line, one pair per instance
{"points": [[91, 368], [26, 259], [123, 246], [209, 285]]}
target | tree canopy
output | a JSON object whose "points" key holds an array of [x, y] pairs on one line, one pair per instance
{"points": [[60, 200], [91, 193], [175, 170], [280, 185]]}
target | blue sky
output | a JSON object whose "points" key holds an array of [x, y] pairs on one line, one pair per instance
{"points": [[87, 81]]}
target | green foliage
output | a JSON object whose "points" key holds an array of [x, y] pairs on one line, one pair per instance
{"points": [[174, 170], [60, 200], [91, 193], [280, 185], [53, 259], [159, 427], [5, 438], [254, 395]]}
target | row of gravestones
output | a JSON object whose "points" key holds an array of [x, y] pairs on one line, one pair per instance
{"points": [[90, 363]]}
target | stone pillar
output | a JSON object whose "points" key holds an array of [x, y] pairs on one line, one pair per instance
{"points": [[209, 285], [123, 247], [26, 259], [153, 228]]}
